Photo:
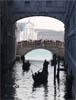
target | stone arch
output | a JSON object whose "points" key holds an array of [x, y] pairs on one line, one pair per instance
{"points": [[22, 9], [37, 48], [40, 49], [44, 15]]}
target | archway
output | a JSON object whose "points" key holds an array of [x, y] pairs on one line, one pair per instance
{"points": [[42, 31]]}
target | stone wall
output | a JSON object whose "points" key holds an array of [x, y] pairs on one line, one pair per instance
{"points": [[3, 34], [70, 43], [7, 38]]}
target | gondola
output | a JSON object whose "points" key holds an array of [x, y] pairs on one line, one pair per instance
{"points": [[26, 66], [41, 77]]}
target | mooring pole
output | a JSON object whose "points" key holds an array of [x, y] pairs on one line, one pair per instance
{"points": [[58, 72], [54, 61], [54, 72]]}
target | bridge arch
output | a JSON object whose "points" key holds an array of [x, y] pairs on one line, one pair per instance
{"points": [[53, 24], [38, 54], [53, 49], [53, 19], [45, 15], [22, 9], [37, 49]]}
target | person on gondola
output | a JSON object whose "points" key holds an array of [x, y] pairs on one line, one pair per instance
{"points": [[54, 60], [45, 65], [26, 64], [23, 59]]}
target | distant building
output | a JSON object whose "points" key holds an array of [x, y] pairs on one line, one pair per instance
{"points": [[29, 32], [19, 31], [46, 34]]}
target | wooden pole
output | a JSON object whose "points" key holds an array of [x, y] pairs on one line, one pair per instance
{"points": [[54, 64], [58, 72], [54, 73]]}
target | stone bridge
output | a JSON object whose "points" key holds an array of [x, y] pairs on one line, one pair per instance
{"points": [[26, 46]]}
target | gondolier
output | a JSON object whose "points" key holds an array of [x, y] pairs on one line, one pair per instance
{"points": [[26, 64], [41, 77]]}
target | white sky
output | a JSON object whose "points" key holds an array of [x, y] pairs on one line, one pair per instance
{"points": [[44, 23]]}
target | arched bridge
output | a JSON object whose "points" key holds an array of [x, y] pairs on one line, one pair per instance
{"points": [[26, 46]]}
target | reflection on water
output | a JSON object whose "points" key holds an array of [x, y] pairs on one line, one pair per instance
{"points": [[20, 84]]}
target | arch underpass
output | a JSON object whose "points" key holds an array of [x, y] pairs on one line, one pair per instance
{"points": [[13, 10]]}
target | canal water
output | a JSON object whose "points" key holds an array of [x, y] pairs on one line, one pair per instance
{"points": [[24, 89], [19, 84]]}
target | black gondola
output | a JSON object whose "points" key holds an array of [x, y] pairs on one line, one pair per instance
{"points": [[41, 77], [26, 66]]}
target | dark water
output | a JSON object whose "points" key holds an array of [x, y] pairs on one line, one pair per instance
{"points": [[19, 85]]}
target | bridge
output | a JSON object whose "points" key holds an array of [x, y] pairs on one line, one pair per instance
{"points": [[26, 46]]}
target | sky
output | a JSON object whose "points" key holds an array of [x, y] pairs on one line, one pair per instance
{"points": [[41, 22]]}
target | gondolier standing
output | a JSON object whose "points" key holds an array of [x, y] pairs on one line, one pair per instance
{"points": [[26, 64]]}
